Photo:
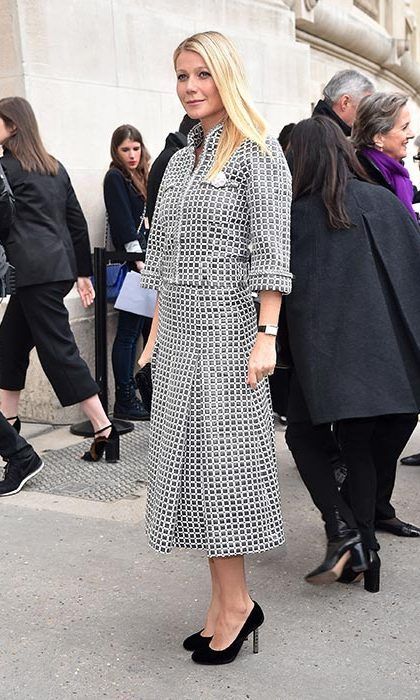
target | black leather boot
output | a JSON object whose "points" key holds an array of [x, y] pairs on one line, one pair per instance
{"points": [[371, 576], [344, 544], [127, 406]]}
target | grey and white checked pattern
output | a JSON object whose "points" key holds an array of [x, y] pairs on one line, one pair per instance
{"points": [[213, 480]]}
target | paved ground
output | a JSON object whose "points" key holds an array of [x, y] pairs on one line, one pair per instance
{"points": [[88, 611]]}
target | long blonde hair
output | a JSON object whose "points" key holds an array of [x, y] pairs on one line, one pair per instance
{"points": [[243, 121]]}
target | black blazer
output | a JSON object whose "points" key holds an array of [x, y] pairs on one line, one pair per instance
{"points": [[48, 239], [125, 207]]}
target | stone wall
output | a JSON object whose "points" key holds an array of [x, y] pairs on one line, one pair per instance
{"points": [[89, 65]]}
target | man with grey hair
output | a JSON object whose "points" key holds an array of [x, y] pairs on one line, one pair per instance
{"points": [[342, 95]]}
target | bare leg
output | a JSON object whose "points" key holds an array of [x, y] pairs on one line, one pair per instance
{"points": [[9, 403], [214, 607], [235, 601], [93, 409]]}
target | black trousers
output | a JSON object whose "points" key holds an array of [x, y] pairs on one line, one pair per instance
{"points": [[37, 317], [369, 447], [311, 447], [10, 441]]}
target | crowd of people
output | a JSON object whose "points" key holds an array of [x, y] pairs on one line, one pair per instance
{"points": [[320, 225]]}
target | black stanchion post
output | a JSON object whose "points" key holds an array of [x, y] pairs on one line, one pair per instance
{"points": [[100, 258], [101, 365]]}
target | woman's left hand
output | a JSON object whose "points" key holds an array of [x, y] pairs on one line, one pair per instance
{"points": [[86, 291], [262, 359]]}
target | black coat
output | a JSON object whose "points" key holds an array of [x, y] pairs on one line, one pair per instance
{"points": [[373, 171], [48, 240], [354, 311], [173, 143], [323, 109], [125, 208]]}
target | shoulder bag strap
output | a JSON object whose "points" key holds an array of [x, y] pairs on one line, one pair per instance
{"points": [[6, 182]]}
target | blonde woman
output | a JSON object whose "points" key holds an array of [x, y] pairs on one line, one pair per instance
{"points": [[213, 482]]}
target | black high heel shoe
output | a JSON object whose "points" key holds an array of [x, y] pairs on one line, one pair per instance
{"points": [[212, 657], [110, 445], [17, 424], [196, 641]]}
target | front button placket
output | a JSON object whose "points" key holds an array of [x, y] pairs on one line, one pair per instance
{"points": [[195, 138]]}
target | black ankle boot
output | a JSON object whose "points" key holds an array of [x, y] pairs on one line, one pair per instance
{"points": [[371, 576], [372, 573], [344, 543], [127, 406]]}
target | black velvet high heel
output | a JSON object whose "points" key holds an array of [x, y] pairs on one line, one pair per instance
{"points": [[17, 424], [211, 657], [196, 641], [110, 445]]}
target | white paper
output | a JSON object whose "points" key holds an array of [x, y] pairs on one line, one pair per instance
{"points": [[135, 298]]}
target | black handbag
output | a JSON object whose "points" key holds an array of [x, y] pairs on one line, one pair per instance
{"points": [[143, 379]]}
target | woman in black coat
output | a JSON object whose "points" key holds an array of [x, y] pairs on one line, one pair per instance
{"points": [[354, 330], [48, 245], [125, 187], [381, 132]]}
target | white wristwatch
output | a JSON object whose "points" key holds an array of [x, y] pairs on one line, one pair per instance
{"points": [[268, 330]]}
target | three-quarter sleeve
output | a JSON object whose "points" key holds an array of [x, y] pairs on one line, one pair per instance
{"points": [[269, 195]]}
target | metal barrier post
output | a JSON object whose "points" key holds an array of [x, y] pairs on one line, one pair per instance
{"points": [[100, 259]]}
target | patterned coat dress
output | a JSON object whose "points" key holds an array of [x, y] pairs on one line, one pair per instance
{"points": [[213, 482]]}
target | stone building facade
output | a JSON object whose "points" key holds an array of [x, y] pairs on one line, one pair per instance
{"points": [[89, 65]]}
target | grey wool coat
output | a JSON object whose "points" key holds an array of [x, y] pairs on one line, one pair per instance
{"points": [[354, 312]]}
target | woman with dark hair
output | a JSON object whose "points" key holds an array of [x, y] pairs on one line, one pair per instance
{"points": [[48, 245], [354, 336], [125, 191]]}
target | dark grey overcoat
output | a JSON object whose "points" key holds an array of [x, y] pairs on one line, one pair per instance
{"points": [[354, 312]]}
